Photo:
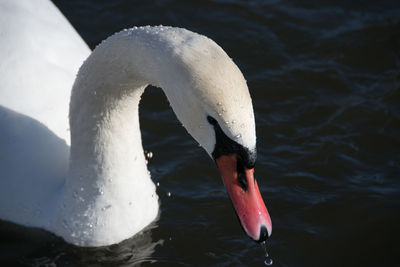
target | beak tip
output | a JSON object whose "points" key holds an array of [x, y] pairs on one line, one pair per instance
{"points": [[264, 234]]}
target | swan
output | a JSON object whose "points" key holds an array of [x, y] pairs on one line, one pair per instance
{"points": [[87, 181]]}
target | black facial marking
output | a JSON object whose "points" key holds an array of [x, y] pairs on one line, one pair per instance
{"points": [[226, 146]]}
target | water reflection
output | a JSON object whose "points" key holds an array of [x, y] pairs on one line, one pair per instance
{"points": [[36, 247]]}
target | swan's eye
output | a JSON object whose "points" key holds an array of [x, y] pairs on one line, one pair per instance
{"points": [[212, 121]]}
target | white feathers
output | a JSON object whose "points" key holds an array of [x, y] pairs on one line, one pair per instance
{"points": [[40, 55]]}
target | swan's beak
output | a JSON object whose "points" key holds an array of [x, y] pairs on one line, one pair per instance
{"points": [[246, 198]]}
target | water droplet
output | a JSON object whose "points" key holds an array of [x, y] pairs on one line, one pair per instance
{"points": [[82, 189], [268, 262], [158, 184], [106, 207], [101, 191], [238, 136], [149, 155], [90, 225], [169, 194], [233, 122], [110, 180], [219, 103]]}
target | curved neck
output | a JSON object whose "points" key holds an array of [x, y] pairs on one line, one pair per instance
{"points": [[104, 121], [108, 177]]}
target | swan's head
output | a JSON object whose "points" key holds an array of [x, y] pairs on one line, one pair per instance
{"points": [[210, 97]]}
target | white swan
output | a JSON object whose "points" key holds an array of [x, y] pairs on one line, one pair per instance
{"points": [[104, 194]]}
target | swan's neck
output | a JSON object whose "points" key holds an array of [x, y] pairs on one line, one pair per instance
{"points": [[106, 146], [108, 177], [106, 149]]}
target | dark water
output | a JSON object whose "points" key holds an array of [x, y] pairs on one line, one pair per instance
{"points": [[325, 83]]}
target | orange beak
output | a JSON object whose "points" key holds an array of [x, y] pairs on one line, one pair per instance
{"points": [[246, 198]]}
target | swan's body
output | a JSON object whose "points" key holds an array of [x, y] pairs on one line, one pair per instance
{"points": [[106, 195], [35, 36]]}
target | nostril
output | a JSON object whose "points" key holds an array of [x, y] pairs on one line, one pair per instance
{"points": [[242, 180], [241, 175], [263, 234]]}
